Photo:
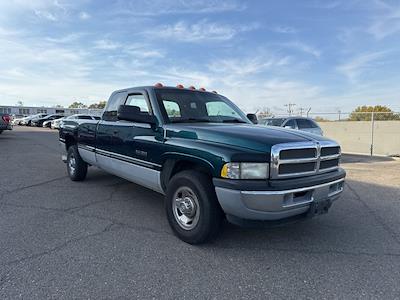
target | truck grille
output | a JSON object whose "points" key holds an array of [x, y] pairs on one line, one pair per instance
{"points": [[304, 159]]}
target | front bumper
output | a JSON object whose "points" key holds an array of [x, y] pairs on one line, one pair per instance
{"points": [[273, 205]]}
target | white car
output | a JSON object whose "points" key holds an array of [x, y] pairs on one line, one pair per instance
{"points": [[16, 120], [55, 124], [28, 120], [298, 123]]}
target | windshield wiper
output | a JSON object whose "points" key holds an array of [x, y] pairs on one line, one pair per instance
{"points": [[191, 120]]}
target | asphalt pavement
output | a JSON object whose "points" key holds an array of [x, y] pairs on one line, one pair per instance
{"points": [[107, 238]]}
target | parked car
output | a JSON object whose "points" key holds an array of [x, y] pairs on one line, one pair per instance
{"points": [[204, 154], [5, 122], [16, 119], [47, 124], [39, 122], [298, 123], [55, 124], [27, 121]]}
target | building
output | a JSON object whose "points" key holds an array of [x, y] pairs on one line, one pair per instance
{"points": [[31, 110]]}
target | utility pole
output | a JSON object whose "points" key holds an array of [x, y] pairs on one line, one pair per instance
{"points": [[290, 108]]}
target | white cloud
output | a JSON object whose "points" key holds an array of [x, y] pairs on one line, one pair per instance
{"points": [[45, 15], [386, 25], [303, 47], [284, 29], [360, 65], [247, 66], [106, 45], [163, 7], [200, 31], [84, 15]]}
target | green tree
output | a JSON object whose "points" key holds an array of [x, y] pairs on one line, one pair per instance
{"points": [[320, 119], [77, 105], [99, 105], [364, 113]]}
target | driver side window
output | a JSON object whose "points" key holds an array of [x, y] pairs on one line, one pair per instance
{"points": [[140, 101]]}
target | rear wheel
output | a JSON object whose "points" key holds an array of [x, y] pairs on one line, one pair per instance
{"points": [[76, 167], [192, 207]]}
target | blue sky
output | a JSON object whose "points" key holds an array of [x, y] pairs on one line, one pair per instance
{"points": [[327, 55]]}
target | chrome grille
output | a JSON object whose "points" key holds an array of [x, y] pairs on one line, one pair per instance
{"points": [[304, 158]]}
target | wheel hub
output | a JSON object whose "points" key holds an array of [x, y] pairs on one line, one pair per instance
{"points": [[186, 208]]}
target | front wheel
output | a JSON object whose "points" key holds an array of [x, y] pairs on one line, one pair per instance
{"points": [[76, 167], [192, 207]]}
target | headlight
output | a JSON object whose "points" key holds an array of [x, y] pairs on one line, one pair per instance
{"points": [[243, 170]]}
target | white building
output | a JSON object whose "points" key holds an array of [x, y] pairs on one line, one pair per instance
{"points": [[31, 110]]}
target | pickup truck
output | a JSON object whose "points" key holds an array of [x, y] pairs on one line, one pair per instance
{"points": [[5, 122], [207, 157]]}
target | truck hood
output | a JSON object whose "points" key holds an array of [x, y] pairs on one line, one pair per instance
{"points": [[254, 137]]}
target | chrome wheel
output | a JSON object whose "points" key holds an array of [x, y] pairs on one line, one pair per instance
{"points": [[186, 208], [72, 164]]}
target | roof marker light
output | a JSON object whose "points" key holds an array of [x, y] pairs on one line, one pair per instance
{"points": [[192, 87], [202, 89], [215, 92], [180, 86], [158, 85]]}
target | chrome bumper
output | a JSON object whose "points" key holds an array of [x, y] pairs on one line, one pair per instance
{"points": [[276, 205]]}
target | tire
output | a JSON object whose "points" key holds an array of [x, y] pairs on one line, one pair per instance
{"points": [[198, 190], [76, 167]]}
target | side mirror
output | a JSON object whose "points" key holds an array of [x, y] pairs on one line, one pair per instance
{"points": [[133, 114], [252, 118]]}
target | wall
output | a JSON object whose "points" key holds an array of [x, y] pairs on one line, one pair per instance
{"points": [[356, 136]]}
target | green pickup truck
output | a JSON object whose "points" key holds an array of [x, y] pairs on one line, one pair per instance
{"points": [[208, 159]]}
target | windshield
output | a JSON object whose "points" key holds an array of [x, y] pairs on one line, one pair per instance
{"points": [[184, 106], [273, 122]]}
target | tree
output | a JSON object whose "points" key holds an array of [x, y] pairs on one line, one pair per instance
{"points": [[99, 105], [264, 112], [364, 113], [77, 105], [320, 119]]}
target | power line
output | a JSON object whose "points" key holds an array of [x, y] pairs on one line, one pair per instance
{"points": [[290, 108]]}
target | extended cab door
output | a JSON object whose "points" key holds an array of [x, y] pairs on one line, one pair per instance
{"points": [[127, 148]]}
